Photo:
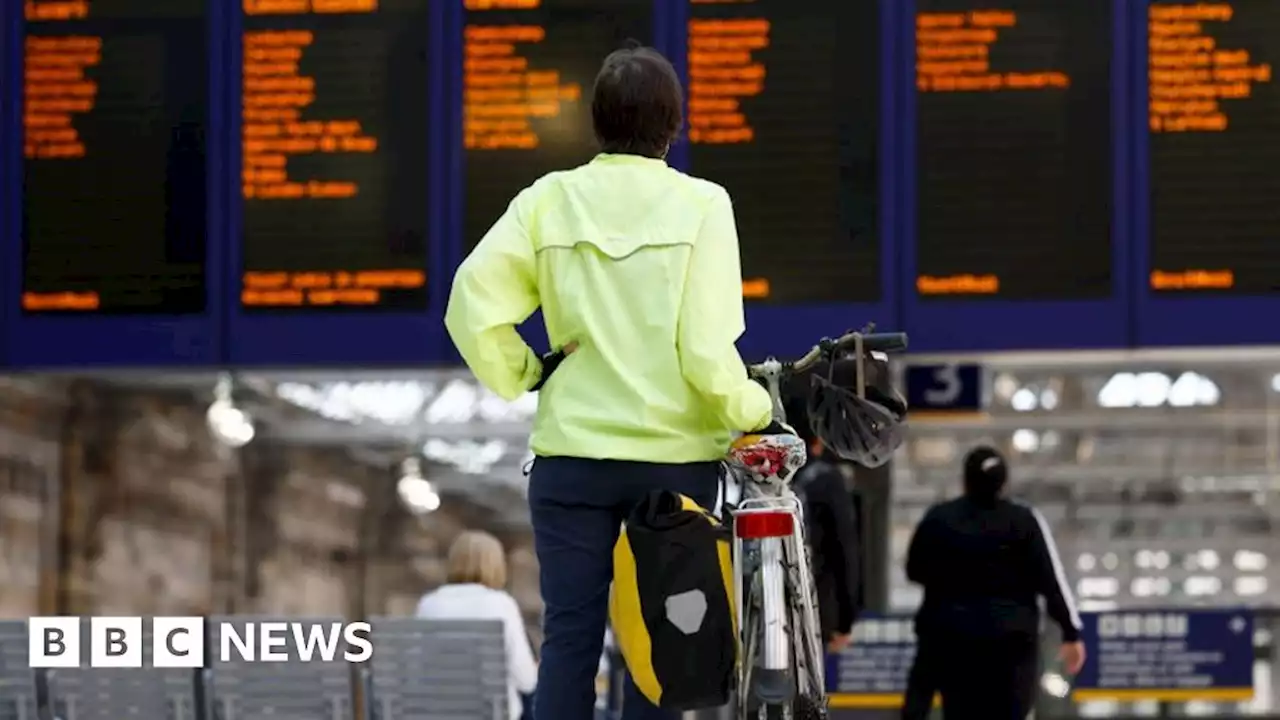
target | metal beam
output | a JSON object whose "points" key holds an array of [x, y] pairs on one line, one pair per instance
{"points": [[1188, 358], [1028, 471], [1156, 420], [325, 432]]}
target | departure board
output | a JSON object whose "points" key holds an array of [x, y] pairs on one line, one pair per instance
{"points": [[334, 164], [1214, 117], [1013, 149], [115, 106], [528, 71], [783, 112]]}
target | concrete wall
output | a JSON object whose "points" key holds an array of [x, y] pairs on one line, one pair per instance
{"points": [[116, 501]]}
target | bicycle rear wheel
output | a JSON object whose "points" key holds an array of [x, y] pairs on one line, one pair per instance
{"points": [[797, 705]]}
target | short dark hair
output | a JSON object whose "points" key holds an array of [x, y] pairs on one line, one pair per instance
{"points": [[637, 103]]}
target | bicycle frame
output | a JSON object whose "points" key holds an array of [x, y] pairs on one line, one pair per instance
{"points": [[779, 580], [786, 595], [784, 585]]}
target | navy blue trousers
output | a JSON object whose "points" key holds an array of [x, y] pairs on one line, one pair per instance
{"points": [[577, 507]]}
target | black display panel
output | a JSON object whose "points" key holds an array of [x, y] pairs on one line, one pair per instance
{"points": [[1014, 149], [784, 107], [529, 66], [1214, 116], [115, 112], [334, 167]]}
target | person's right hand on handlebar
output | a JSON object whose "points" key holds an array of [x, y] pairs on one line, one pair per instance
{"points": [[774, 426]]}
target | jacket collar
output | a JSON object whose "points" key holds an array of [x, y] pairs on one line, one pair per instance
{"points": [[622, 159]]}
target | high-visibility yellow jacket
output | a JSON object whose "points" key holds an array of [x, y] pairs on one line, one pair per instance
{"points": [[638, 264]]}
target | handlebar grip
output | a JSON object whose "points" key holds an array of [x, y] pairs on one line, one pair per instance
{"points": [[894, 342]]}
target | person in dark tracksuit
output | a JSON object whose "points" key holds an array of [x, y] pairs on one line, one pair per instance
{"points": [[984, 561], [832, 529]]}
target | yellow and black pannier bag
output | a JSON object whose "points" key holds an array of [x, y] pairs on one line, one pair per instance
{"points": [[671, 605]]}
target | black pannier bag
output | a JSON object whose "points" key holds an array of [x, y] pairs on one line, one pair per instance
{"points": [[671, 605]]}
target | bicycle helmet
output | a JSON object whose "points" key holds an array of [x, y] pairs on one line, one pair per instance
{"points": [[866, 430]]}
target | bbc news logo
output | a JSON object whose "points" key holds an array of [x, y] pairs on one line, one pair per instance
{"points": [[179, 642]]}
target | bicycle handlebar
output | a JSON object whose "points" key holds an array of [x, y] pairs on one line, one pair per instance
{"points": [[895, 342], [772, 372]]}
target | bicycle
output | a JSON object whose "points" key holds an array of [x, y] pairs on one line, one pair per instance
{"points": [[774, 589]]}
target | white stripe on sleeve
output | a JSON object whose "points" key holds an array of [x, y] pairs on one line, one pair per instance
{"points": [[1058, 571]]}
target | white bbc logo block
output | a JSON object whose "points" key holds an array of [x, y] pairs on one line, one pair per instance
{"points": [[115, 642], [53, 642], [177, 642]]}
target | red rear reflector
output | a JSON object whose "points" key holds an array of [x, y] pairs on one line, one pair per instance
{"points": [[758, 525]]}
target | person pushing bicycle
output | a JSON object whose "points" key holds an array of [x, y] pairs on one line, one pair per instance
{"points": [[636, 269]]}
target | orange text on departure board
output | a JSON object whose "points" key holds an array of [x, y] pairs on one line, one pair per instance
{"points": [[275, 96], [953, 54], [501, 4], [56, 89], [1189, 74], [1192, 280], [293, 289], [723, 71], [503, 94], [75, 301], [304, 7], [960, 284], [755, 288], [38, 10]]}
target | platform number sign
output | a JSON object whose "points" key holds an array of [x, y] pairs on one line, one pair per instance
{"points": [[946, 387]]}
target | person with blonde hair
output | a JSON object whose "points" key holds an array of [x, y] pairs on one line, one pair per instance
{"points": [[475, 589]]}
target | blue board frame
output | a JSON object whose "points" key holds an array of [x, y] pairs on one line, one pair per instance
{"points": [[787, 330], [8, 15], [1179, 319], [47, 341], [346, 339], [975, 325]]}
